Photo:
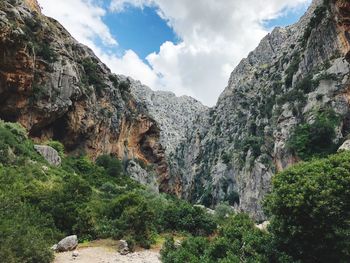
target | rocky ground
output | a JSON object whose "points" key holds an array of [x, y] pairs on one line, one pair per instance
{"points": [[106, 252]]}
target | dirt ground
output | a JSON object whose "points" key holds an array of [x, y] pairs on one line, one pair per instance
{"points": [[106, 252]]}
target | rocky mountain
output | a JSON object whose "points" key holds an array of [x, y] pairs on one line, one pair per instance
{"points": [[293, 77], [58, 89], [287, 101]]}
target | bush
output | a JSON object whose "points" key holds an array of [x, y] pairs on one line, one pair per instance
{"points": [[182, 216], [133, 218], [222, 211], [24, 231], [111, 164], [238, 240], [191, 250], [315, 139], [309, 209], [291, 70], [92, 75], [57, 146], [44, 51]]}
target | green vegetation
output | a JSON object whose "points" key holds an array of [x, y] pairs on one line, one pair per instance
{"points": [[238, 240], [92, 75], [252, 143], [44, 51], [319, 14], [57, 146], [309, 210], [316, 138], [111, 164], [39, 203], [291, 70]]}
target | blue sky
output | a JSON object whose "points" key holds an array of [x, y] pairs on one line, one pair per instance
{"points": [[143, 31], [187, 47]]}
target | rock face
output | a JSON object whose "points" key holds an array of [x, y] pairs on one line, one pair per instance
{"points": [[67, 244], [175, 116], [49, 153], [58, 89], [233, 149]]}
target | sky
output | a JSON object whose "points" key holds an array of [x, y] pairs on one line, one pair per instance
{"points": [[189, 47]]}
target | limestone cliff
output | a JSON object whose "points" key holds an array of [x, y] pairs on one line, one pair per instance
{"points": [[175, 116], [57, 88], [294, 74]]}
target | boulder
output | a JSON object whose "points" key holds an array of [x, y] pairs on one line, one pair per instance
{"points": [[49, 153], [54, 247], [345, 146], [263, 226], [67, 244], [75, 254], [123, 247]]}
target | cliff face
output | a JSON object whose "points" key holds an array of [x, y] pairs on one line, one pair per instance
{"points": [[175, 116], [57, 88], [293, 75]]}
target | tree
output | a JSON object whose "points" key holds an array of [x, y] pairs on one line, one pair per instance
{"points": [[309, 208]]}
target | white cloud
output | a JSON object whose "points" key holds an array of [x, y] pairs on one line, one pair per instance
{"points": [[215, 36], [82, 18], [130, 65]]}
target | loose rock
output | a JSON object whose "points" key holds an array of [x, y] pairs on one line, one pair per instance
{"points": [[67, 244], [49, 153], [123, 247]]}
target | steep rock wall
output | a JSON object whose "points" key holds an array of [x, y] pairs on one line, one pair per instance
{"points": [[295, 73], [57, 88]]}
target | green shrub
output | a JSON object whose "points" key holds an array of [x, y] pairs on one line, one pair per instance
{"points": [[306, 85], [181, 216], [133, 217], [316, 138], [14, 145], [58, 146], [191, 250], [309, 210], [252, 143], [111, 164], [319, 14], [238, 240], [232, 198], [93, 75], [24, 231], [45, 51], [222, 211], [291, 70]]}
